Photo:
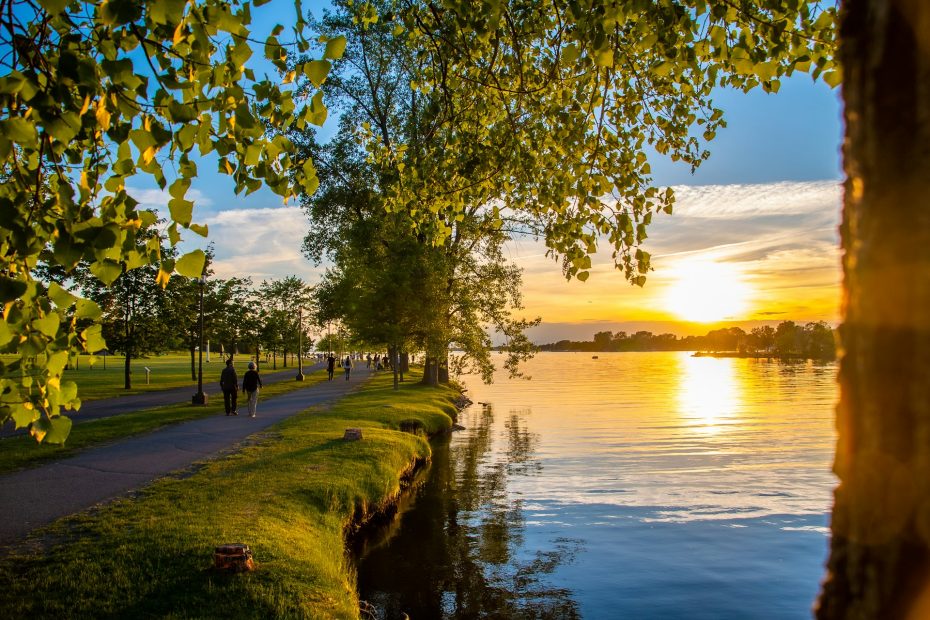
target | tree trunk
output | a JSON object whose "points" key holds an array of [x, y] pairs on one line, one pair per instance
{"points": [[127, 370], [274, 359], [284, 365], [878, 565], [430, 371], [443, 370]]}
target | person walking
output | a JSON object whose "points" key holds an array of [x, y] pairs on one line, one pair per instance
{"points": [[330, 366], [347, 365], [251, 383], [229, 383]]}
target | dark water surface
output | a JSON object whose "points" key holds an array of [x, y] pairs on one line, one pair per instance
{"points": [[638, 485]]}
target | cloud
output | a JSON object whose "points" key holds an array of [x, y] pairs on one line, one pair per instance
{"points": [[781, 199], [157, 199], [261, 243]]}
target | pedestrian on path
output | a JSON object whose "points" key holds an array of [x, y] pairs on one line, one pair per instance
{"points": [[229, 383], [330, 366], [251, 383], [347, 364]]}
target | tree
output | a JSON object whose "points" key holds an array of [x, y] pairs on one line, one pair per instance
{"points": [[135, 312], [880, 548], [547, 110], [92, 94], [282, 302]]}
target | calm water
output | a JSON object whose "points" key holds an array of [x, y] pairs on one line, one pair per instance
{"points": [[638, 485]]}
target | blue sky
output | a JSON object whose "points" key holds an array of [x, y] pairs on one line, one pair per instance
{"points": [[766, 203]]}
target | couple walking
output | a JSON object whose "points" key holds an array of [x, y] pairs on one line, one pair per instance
{"points": [[229, 383], [346, 364]]}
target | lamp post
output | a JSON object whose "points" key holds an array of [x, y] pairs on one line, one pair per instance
{"points": [[300, 341], [200, 398]]}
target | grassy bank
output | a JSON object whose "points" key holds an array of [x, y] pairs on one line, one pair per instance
{"points": [[290, 495], [22, 451]]}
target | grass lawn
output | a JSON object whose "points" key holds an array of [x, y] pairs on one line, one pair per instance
{"points": [[290, 495], [168, 371], [22, 451]]}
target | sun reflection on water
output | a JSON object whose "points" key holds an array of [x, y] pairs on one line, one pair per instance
{"points": [[708, 393]]}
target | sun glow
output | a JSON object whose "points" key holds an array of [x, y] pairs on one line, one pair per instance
{"points": [[707, 291]]}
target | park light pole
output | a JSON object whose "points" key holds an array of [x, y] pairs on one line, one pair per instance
{"points": [[200, 398], [300, 341]]}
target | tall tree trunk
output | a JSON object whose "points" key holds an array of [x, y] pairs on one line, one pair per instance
{"points": [[127, 370], [284, 365], [430, 371], [878, 565], [274, 359]]}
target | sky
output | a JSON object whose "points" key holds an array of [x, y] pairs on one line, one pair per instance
{"points": [[753, 238]]}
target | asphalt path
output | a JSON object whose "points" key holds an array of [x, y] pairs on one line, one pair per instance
{"points": [[106, 407], [36, 497]]}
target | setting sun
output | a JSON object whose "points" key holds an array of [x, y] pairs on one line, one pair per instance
{"points": [[706, 291]]}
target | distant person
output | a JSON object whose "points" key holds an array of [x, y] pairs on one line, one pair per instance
{"points": [[368, 360], [229, 383], [251, 383], [330, 366], [347, 365]]}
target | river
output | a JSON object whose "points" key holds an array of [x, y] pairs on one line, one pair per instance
{"points": [[635, 485]]}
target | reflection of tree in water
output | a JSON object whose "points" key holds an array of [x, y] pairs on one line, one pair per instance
{"points": [[454, 554]]}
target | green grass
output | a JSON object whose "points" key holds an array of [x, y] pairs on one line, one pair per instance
{"points": [[168, 371], [22, 451], [290, 495]]}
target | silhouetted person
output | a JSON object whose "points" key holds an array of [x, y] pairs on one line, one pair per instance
{"points": [[251, 382], [347, 365], [229, 383], [330, 366]]}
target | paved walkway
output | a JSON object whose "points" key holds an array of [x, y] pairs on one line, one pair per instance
{"points": [[36, 497]]}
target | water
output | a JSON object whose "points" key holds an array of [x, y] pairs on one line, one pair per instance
{"points": [[637, 485]]}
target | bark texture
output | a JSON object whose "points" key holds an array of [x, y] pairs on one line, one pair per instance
{"points": [[881, 517]]}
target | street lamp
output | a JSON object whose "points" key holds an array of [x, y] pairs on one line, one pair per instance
{"points": [[200, 398], [300, 341]]}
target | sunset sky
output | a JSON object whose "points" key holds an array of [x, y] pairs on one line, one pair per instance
{"points": [[753, 236]]}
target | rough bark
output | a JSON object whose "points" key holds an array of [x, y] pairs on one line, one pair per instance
{"points": [[881, 517], [430, 371]]}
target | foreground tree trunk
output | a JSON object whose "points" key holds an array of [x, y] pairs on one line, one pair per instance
{"points": [[878, 566]]}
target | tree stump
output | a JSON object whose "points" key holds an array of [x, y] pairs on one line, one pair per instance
{"points": [[235, 557], [352, 434]]}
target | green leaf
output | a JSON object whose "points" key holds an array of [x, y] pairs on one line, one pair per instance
{"points": [[106, 270], [318, 111], [181, 210], [60, 428], [48, 324], [93, 338], [191, 264], [582, 275], [317, 70], [23, 415], [200, 230], [335, 48], [56, 363], [11, 289], [19, 130], [54, 7], [87, 309]]}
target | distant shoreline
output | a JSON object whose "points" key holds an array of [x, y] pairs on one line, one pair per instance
{"points": [[760, 355]]}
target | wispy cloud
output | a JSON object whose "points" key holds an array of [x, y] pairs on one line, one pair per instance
{"points": [[261, 243]]}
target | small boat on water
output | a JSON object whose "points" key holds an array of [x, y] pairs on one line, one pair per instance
{"points": [[594, 357]]}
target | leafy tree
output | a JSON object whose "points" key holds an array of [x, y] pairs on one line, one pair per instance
{"points": [[92, 94], [282, 303], [547, 111], [761, 338], [135, 311]]}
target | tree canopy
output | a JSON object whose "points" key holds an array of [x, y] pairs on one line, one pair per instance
{"points": [[92, 94]]}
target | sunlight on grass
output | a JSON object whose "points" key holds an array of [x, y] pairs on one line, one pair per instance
{"points": [[290, 496]]}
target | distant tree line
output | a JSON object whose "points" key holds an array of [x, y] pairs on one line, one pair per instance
{"points": [[814, 340]]}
